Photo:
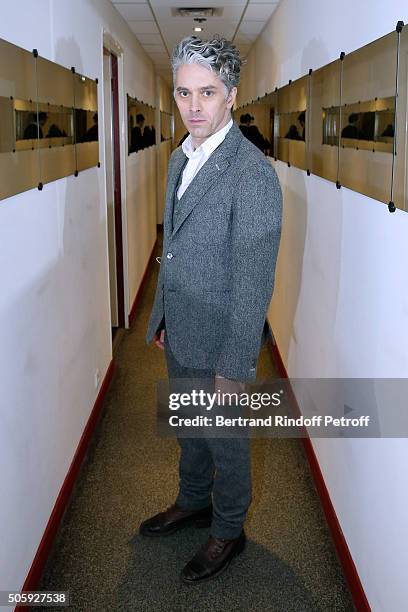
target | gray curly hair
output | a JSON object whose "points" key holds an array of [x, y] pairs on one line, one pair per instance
{"points": [[218, 55]]}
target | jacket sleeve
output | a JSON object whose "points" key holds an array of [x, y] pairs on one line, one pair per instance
{"points": [[256, 231]]}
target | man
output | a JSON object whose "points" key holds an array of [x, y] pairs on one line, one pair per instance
{"points": [[222, 229], [351, 130], [302, 121], [136, 136], [244, 123], [252, 132], [35, 128]]}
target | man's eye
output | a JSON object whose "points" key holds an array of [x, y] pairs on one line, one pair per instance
{"points": [[207, 91], [183, 94]]}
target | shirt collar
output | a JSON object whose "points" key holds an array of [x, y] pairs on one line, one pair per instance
{"points": [[208, 146]]}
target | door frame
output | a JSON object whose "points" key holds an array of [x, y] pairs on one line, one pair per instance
{"points": [[115, 49]]}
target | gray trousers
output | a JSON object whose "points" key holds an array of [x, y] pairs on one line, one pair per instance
{"points": [[217, 466]]}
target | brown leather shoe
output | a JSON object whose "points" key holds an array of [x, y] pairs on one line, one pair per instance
{"points": [[175, 518], [212, 559]]}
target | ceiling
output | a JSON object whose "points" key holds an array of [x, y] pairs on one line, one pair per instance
{"points": [[158, 28]]}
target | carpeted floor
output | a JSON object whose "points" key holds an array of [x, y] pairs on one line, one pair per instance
{"points": [[289, 564]]}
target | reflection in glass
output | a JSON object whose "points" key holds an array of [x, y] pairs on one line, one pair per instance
{"points": [[136, 124], [331, 125], [141, 128], [86, 125], [371, 121], [7, 137], [149, 135], [292, 125], [384, 126], [86, 122], [55, 124], [291, 119], [37, 101], [249, 127], [324, 121], [256, 123], [353, 129], [60, 125], [19, 161], [368, 98], [27, 125]]}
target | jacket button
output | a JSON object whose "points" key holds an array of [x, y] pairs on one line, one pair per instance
{"points": [[169, 255]]}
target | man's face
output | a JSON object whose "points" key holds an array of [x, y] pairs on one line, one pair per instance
{"points": [[200, 97]]}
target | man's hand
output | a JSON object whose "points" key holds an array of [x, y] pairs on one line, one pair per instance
{"points": [[159, 339]]}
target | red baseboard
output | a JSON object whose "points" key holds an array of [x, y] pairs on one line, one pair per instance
{"points": [[44, 548], [132, 313], [346, 560]]}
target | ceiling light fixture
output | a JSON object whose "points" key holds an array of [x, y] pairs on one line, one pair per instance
{"points": [[195, 12]]}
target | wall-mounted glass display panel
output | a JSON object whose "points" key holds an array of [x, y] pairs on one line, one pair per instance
{"points": [[367, 118], [324, 121], [291, 120], [256, 123], [166, 123], [56, 120], [141, 125], [48, 121], [400, 184], [369, 125], [19, 125], [86, 122]]}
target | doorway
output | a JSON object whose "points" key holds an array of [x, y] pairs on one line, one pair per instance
{"points": [[113, 189]]}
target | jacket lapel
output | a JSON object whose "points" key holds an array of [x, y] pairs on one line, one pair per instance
{"points": [[179, 160], [208, 175]]}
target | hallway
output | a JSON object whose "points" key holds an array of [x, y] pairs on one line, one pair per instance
{"points": [[130, 473], [94, 101]]}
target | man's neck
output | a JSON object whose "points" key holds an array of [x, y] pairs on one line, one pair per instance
{"points": [[197, 142]]}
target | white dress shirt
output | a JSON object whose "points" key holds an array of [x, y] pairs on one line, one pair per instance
{"points": [[198, 157]]}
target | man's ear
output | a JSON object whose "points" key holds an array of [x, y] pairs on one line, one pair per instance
{"points": [[231, 97]]}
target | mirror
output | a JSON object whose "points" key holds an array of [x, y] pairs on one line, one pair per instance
{"points": [[55, 120], [141, 125], [324, 121], [291, 120], [86, 127], [367, 118], [19, 156], [256, 123]]}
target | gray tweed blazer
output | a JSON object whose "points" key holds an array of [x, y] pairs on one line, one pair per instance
{"points": [[218, 263]]}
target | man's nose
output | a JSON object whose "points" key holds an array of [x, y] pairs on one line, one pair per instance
{"points": [[195, 102]]}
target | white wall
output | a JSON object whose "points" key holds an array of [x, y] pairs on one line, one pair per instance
{"points": [[54, 300], [340, 306]]}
